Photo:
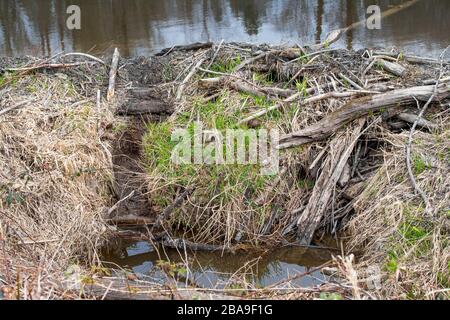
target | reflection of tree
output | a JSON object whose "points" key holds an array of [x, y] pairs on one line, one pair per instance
{"points": [[250, 12], [38, 27], [319, 19]]}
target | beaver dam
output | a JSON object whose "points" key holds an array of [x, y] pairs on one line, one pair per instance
{"points": [[349, 200]]}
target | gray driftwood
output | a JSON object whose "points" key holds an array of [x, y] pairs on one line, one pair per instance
{"points": [[340, 150], [358, 108]]}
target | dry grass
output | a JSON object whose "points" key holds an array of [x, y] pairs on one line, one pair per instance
{"points": [[408, 246], [54, 176]]}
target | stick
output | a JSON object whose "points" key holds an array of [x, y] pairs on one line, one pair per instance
{"points": [[188, 77], [131, 220], [215, 54], [116, 206], [392, 67], [113, 75], [46, 66], [428, 208], [166, 213], [80, 54], [16, 106], [412, 118], [353, 83], [411, 59], [295, 97], [190, 47]]}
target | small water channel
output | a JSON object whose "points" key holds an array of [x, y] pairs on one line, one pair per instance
{"points": [[218, 270]]}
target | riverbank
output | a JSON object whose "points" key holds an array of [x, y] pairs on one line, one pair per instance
{"points": [[87, 158]]}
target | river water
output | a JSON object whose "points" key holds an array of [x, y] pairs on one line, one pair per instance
{"points": [[142, 27]]}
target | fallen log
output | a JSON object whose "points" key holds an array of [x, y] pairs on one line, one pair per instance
{"points": [[190, 47], [340, 150], [358, 108], [141, 107], [411, 59], [131, 220], [392, 67], [411, 118]]}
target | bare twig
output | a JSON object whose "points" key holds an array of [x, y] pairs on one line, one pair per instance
{"points": [[16, 106], [85, 55], [412, 178], [113, 75], [188, 77]]}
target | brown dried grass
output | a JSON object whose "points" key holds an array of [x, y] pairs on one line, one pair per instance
{"points": [[54, 176], [398, 237]]}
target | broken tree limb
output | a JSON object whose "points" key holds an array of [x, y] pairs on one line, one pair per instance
{"points": [[85, 55], [116, 206], [131, 220], [251, 60], [350, 81], [394, 68], [411, 59], [113, 75], [168, 211], [360, 107], [341, 148], [16, 106], [295, 97], [244, 86], [190, 47], [46, 66], [412, 118]]}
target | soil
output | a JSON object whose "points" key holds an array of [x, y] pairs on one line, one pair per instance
{"points": [[139, 106]]}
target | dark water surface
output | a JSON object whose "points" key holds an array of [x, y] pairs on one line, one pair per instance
{"points": [[140, 27], [215, 269]]}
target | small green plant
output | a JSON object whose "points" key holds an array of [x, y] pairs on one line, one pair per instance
{"points": [[419, 165], [119, 127], [330, 296], [173, 270], [226, 66], [392, 262], [302, 87], [13, 197], [265, 79]]}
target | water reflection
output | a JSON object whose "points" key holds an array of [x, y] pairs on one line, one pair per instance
{"points": [[214, 269], [143, 26]]}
